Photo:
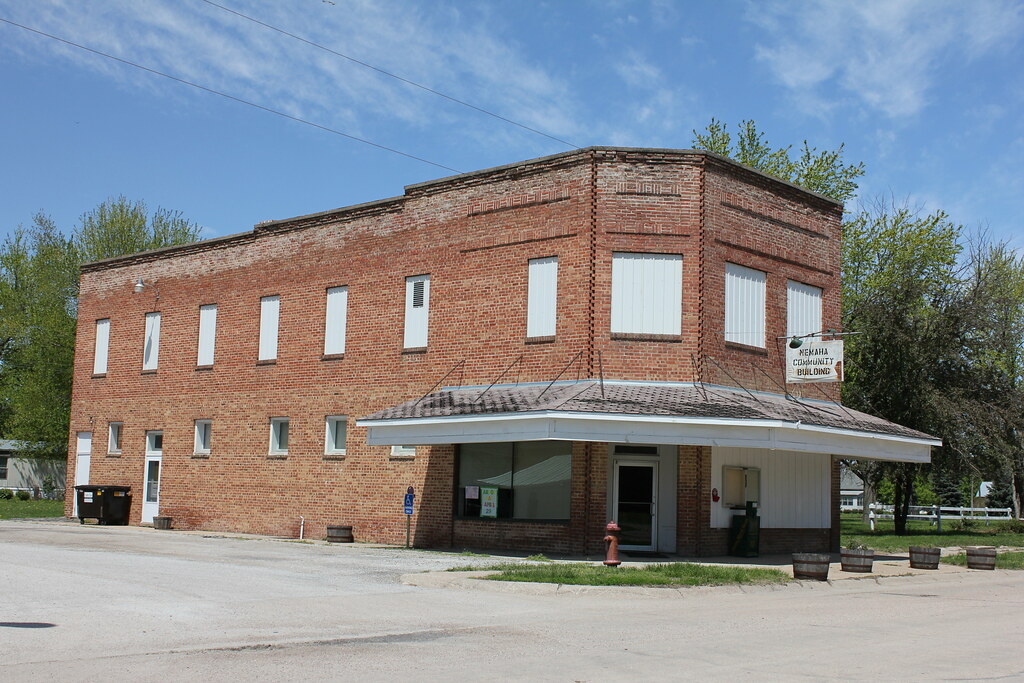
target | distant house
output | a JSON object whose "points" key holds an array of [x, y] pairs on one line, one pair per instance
{"points": [[851, 491], [30, 474]]}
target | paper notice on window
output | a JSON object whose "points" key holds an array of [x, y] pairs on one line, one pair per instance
{"points": [[488, 501], [472, 493]]}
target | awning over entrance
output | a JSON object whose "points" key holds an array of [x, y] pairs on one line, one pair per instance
{"points": [[648, 413]]}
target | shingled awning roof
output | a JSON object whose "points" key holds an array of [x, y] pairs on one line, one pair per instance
{"points": [[637, 412]]}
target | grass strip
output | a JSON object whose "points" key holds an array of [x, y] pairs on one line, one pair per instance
{"points": [[1003, 560], [27, 509], [672, 574]]}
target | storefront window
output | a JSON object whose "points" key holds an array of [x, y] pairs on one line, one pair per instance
{"points": [[525, 480]]}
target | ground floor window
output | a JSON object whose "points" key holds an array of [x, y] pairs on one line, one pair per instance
{"points": [[522, 480]]}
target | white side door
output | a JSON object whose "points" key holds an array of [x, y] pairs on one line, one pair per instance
{"points": [[83, 457], [151, 476]]}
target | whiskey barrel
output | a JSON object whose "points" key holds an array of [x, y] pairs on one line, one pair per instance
{"points": [[813, 566], [857, 559], [981, 557], [339, 534], [924, 558]]}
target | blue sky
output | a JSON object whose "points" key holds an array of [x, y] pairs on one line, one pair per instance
{"points": [[929, 94]]}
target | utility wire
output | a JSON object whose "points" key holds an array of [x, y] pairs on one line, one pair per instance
{"points": [[391, 75], [230, 97]]}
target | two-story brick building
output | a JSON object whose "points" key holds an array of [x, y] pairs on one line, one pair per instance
{"points": [[536, 349]]}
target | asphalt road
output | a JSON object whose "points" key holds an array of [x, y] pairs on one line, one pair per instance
{"points": [[90, 603]]}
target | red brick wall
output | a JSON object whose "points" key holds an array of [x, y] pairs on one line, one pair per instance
{"points": [[474, 235]]}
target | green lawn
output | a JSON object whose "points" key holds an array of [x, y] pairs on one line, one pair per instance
{"points": [[20, 509], [675, 574], [921, 532], [1003, 560]]}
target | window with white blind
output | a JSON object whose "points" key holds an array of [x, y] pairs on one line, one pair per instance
{"points": [[270, 307], [99, 359], [803, 309], [647, 293], [336, 431], [744, 305], [114, 437], [334, 328], [207, 334], [204, 433], [279, 436], [542, 297], [417, 309], [151, 345]]}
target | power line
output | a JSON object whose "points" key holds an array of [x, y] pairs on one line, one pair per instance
{"points": [[391, 75], [230, 97]]}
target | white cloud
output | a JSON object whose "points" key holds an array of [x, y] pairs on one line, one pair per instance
{"points": [[888, 54]]}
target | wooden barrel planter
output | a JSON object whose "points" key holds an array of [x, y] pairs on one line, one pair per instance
{"points": [[857, 559], [339, 534], [813, 566], [924, 558], [981, 557], [162, 522]]}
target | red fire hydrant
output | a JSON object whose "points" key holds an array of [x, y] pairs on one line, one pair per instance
{"points": [[611, 541]]}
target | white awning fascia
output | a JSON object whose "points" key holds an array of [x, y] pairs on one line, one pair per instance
{"points": [[648, 429]]}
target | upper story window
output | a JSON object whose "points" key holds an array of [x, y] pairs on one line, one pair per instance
{"points": [[151, 345], [207, 334], [279, 436], [542, 297], [99, 359], [417, 310], [334, 328], [744, 305], [647, 293], [803, 309], [114, 437], [270, 307]]}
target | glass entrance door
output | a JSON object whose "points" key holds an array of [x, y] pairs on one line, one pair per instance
{"points": [[151, 485], [636, 504]]}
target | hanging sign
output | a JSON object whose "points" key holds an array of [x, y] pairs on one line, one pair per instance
{"points": [[488, 501], [815, 361]]}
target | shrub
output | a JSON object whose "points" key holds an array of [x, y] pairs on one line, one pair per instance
{"points": [[6, 494], [1014, 526], [23, 495], [965, 524]]}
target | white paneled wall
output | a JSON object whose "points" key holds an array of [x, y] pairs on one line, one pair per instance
{"points": [[647, 293], [803, 309], [795, 487], [744, 305]]}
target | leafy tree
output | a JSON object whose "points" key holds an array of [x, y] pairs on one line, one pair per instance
{"points": [[39, 274], [823, 172]]}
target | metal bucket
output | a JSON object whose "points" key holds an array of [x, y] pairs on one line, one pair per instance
{"points": [[813, 566]]}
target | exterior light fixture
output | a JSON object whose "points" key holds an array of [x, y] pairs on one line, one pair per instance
{"points": [[141, 285], [796, 343]]}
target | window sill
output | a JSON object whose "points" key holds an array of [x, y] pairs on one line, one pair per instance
{"points": [[269, 361], [203, 368], [148, 372], [277, 456], [401, 458], [335, 457], [200, 456], [414, 350], [541, 340], [333, 356], [746, 348], [99, 375], [115, 454], [629, 336]]}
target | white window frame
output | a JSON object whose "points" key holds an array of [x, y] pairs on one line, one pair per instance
{"points": [[745, 304], [331, 435], [270, 316], [542, 297], [803, 309], [203, 436], [279, 427], [101, 351], [151, 342], [207, 335], [335, 321], [403, 451], [417, 312], [115, 433], [647, 293]]}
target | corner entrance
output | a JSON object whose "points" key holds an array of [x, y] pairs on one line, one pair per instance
{"points": [[636, 504]]}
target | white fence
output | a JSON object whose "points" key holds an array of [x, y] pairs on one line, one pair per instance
{"points": [[936, 513]]}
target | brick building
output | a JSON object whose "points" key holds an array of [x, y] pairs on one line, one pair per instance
{"points": [[535, 348]]}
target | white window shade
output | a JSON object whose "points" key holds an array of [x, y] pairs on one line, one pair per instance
{"points": [[744, 305], [542, 297], [334, 329], [647, 293], [803, 309], [207, 334], [151, 345], [99, 359], [417, 311], [270, 307]]}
